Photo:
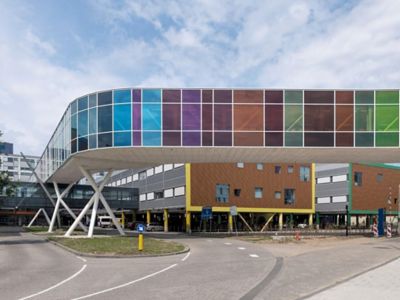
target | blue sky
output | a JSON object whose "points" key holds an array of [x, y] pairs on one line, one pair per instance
{"points": [[54, 51]]}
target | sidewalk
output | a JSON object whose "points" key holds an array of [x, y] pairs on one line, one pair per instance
{"points": [[381, 283]]}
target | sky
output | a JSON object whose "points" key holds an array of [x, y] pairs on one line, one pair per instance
{"points": [[51, 52]]}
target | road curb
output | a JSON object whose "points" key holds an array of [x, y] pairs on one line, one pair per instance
{"points": [[185, 250]]}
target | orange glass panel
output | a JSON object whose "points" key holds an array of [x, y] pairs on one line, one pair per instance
{"points": [[248, 138], [248, 117], [248, 96], [344, 118]]}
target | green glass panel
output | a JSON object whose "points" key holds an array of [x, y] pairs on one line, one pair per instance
{"points": [[294, 139], [364, 97], [364, 118], [293, 117], [387, 118], [387, 97], [293, 96], [365, 139], [387, 139]]}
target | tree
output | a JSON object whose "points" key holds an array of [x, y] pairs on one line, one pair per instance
{"points": [[5, 182]]}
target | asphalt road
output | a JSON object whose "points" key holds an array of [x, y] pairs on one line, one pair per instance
{"points": [[215, 268]]}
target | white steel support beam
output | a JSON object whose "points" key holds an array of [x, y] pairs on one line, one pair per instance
{"points": [[37, 214], [80, 216]]}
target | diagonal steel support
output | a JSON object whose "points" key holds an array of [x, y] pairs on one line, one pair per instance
{"points": [[37, 214]]}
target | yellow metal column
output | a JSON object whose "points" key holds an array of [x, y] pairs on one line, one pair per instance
{"points": [[280, 221], [165, 220], [123, 220], [310, 220], [148, 217], [230, 223], [188, 222]]}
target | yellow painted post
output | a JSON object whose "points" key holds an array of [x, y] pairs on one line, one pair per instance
{"points": [[230, 223], [148, 217], [280, 221], [188, 222], [310, 220], [165, 220], [140, 242], [123, 220]]}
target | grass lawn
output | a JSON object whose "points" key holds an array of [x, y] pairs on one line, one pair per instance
{"points": [[118, 245], [36, 228]]}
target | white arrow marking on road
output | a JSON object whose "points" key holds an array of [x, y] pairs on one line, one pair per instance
{"points": [[228, 244], [253, 255], [241, 248]]}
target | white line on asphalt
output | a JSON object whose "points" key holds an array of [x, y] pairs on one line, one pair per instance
{"points": [[241, 248], [56, 285], [81, 258], [228, 244], [126, 284], [186, 256], [253, 255]]}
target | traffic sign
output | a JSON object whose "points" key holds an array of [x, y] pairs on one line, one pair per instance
{"points": [[140, 228], [206, 213], [233, 210]]}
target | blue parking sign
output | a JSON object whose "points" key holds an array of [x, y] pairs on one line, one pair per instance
{"points": [[140, 228], [206, 213]]}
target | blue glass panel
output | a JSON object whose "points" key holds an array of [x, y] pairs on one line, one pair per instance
{"points": [[83, 123], [82, 144], [122, 138], [151, 116], [92, 141], [152, 138], [122, 117], [105, 118], [152, 95], [82, 103], [74, 126], [105, 140], [92, 100], [104, 98], [93, 120], [74, 107], [122, 96]]}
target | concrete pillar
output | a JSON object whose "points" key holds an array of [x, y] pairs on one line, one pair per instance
{"points": [[280, 221], [230, 223], [165, 220], [317, 221], [148, 217], [337, 220], [310, 220], [188, 222]]}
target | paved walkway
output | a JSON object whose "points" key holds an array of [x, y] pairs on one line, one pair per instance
{"points": [[381, 283]]}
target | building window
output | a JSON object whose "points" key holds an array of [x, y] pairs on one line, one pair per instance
{"points": [[290, 196], [258, 192], [118, 182], [158, 169], [339, 178], [323, 200], [168, 167], [142, 197], [260, 166], [357, 178], [240, 165], [150, 196], [222, 193], [339, 199], [278, 195], [150, 172], [169, 193], [277, 169], [123, 181], [323, 180], [129, 179], [379, 177], [178, 165], [159, 195], [304, 173], [142, 175], [237, 192], [135, 177], [290, 169], [179, 191]]}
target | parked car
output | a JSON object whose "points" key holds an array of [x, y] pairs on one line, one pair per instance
{"points": [[302, 225], [154, 227], [104, 221], [134, 225]]}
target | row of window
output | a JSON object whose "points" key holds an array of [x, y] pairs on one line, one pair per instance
{"points": [[332, 199], [330, 179], [304, 171], [168, 193], [222, 194]]}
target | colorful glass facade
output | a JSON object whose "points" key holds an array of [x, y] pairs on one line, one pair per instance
{"points": [[224, 118]]}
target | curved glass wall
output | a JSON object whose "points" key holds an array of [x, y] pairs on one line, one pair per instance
{"points": [[224, 118]]}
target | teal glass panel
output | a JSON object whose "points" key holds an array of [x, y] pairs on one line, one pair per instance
{"points": [[151, 138], [387, 118], [122, 139], [364, 97], [293, 96], [151, 116], [364, 139], [93, 141], [294, 139], [74, 126], [364, 118], [152, 95], [104, 118], [387, 97], [92, 120], [74, 107], [92, 100], [82, 103], [82, 123], [122, 117], [293, 117], [122, 96], [387, 139]]}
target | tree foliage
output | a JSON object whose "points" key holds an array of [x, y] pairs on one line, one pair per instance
{"points": [[5, 182]]}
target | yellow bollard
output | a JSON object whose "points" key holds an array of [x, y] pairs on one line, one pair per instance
{"points": [[140, 242]]}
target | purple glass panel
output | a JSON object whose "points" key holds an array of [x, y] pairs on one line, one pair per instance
{"points": [[172, 96], [222, 117], [191, 138], [222, 96], [191, 116], [207, 117], [136, 138], [171, 138], [207, 96], [136, 117], [136, 95], [273, 96], [191, 96], [171, 116], [319, 96], [274, 139], [207, 138], [222, 139]]}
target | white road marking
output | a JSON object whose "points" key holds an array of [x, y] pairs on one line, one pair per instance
{"points": [[253, 255], [228, 244], [81, 258], [241, 248], [186, 256], [56, 285], [126, 284]]}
